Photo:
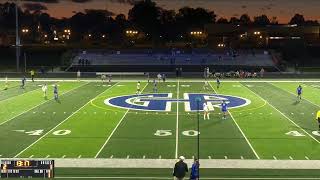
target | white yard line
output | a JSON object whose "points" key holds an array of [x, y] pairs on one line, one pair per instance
{"points": [[235, 122], [294, 94], [60, 123], [39, 88], [114, 130], [177, 123], [41, 104], [283, 115]]}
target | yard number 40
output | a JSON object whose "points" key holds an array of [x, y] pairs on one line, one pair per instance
{"points": [[56, 133]]}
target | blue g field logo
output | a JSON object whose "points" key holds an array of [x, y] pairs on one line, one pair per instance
{"points": [[162, 102]]}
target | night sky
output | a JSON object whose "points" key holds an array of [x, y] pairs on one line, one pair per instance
{"points": [[282, 9]]}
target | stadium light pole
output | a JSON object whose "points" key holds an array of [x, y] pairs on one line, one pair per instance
{"points": [[198, 129], [17, 38]]}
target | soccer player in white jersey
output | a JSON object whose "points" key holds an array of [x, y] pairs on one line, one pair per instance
{"points": [[206, 111], [6, 85], [44, 90], [206, 85], [138, 88]]}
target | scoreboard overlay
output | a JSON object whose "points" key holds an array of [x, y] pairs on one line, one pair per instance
{"points": [[27, 168]]}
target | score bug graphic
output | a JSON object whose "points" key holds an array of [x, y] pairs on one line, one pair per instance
{"points": [[162, 102]]}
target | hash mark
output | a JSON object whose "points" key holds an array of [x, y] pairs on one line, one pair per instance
{"points": [[290, 157], [225, 157], [160, 157], [144, 157], [275, 158], [111, 156], [209, 157], [31, 156], [128, 156], [307, 158], [79, 156], [47, 156], [63, 156], [241, 157]]}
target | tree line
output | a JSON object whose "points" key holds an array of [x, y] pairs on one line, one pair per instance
{"points": [[145, 16]]}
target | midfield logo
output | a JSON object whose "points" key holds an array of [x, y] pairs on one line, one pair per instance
{"points": [[163, 101]]}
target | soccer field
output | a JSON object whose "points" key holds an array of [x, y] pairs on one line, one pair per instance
{"points": [[96, 120]]}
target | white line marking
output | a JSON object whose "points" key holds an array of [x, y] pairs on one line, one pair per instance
{"points": [[63, 156], [24, 93], [225, 157], [79, 156], [160, 157], [294, 94], [111, 156], [290, 158], [307, 158], [114, 130], [31, 156], [275, 158], [58, 125], [39, 105], [209, 157], [235, 122], [241, 157], [177, 123], [143, 157], [128, 156], [47, 156], [284, 115]]}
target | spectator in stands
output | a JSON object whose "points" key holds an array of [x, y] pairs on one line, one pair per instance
{"points": [[164, 77], [32, 75], [159, 77], [180, 169], [78, 75], [261, 72], [177, 72]]}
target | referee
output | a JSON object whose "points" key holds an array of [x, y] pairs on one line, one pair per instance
{"points": [[318, 118]]}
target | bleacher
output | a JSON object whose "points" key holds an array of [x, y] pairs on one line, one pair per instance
{"points": [[168, 61]]}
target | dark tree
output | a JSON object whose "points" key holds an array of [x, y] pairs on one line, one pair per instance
{"points": [[222, 21], [234, 20], [262, 20], [146, 16], [245, 19], [297, 19]]}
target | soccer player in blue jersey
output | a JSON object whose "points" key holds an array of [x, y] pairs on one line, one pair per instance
{"points": [[224, 109], [23, 82], [299, 92], [218, 82], [55, 92]]}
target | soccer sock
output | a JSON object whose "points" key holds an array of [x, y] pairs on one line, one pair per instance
{"points": [[208, 116]]}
